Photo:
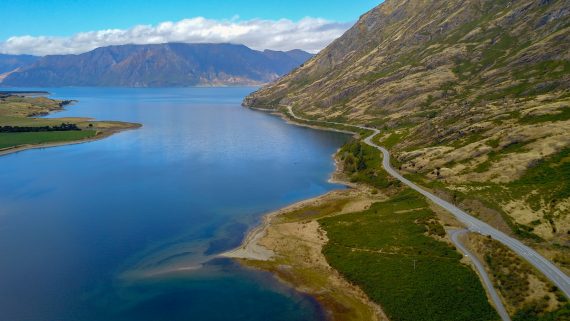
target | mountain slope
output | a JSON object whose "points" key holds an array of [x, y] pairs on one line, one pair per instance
{"points": [[11, 62], [173, 64], [473, 98]]}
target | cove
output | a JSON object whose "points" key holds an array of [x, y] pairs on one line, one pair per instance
{"points": [[128, 228]]}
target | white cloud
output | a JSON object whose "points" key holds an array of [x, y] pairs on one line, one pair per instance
{"points": [[310, 34]]}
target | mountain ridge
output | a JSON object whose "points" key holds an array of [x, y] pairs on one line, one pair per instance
{"points": [[472, 97], [9, 63], [159, 65]]}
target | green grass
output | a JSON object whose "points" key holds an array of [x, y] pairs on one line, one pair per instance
{"points": [[483, 167], [26, 121], [493, 143], [17, 139], [392, 140], [544, 70], [315, 212], [551, 177], [564, 114], [14, 111], [469, 139], [378, 248], [495, 53], [370, 77], [427, 113]]}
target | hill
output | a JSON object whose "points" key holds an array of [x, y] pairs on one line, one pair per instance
{"points": [[473, 99]]}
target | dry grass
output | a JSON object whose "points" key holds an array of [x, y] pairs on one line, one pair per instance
{"points": [[296, 239], [518, 283]]}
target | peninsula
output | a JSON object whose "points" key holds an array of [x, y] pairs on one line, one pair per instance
{"points": [[21, 125]]}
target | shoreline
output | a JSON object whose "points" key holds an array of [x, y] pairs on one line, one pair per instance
{"points": [[305, 268], [340, 299], [99, 135], [463, 218], [249, 248], [102, 135], [293, 122]]}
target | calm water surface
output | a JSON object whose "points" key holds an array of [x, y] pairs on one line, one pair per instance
{"points": [[127, 228]]}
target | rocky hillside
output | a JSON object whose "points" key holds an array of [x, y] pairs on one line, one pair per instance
{"points": [[173, 64], [473, 97]]}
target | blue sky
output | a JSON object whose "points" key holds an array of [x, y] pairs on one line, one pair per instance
{"points": [[48, 27], [67, 17]]}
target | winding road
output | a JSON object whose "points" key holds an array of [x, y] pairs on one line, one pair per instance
{"points": [[455, 234], [558, 278]]}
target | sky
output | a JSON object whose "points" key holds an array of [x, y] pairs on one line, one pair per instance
{"points": [[44, 27]]}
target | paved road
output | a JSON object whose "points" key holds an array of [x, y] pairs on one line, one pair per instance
{"points": [[455, 234], [559, 278]]}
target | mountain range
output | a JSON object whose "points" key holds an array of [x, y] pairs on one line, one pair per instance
{"points": [[156, 65], [12, 62], [472, 97]]}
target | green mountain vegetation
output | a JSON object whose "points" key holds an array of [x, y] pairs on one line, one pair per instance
{"points": [[394, 252], [473, 100]]}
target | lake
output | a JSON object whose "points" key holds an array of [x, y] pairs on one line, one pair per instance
{"points": [[129, 227]]}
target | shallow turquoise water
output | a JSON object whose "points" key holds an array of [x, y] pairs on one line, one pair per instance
{"points": [[127, 228]]}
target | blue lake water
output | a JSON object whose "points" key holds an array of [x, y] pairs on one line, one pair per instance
{"points": [[128, 228]]}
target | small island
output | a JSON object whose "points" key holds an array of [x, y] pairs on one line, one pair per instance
{"points": [[21, 125]]}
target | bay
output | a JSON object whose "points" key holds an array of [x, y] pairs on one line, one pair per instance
{"points": [[129, 227]]}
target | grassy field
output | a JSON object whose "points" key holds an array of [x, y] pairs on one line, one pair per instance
{"points": [[393, 252], [28, 121], [314, 212], [16, 111], [17, 139], [20, 106]]}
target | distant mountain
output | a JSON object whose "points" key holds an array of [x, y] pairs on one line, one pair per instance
{"points": [[161, 65], [12, 62]]}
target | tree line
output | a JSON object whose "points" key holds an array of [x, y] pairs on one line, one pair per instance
{"points": [[27, 129]]}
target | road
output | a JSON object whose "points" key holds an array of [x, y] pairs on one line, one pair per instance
{"points": [[558, 278], [455, 234]]}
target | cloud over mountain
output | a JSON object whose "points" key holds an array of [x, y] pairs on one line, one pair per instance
{"points": [[309, 34]]}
